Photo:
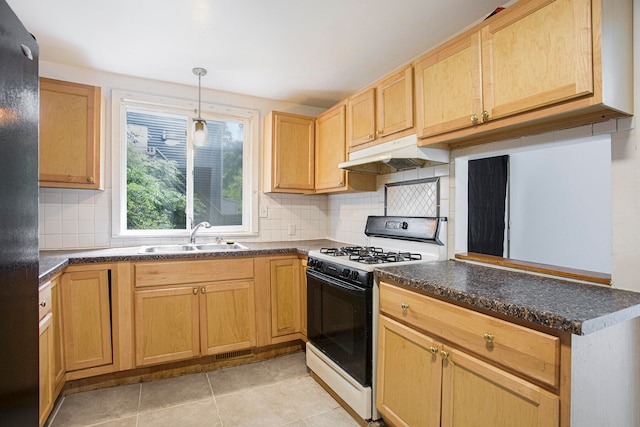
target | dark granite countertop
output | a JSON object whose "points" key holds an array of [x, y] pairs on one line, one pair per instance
{"points": [[572, 307], [52, 262]]}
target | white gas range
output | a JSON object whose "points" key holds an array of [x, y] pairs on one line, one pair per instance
{"points": [[342, 303]]}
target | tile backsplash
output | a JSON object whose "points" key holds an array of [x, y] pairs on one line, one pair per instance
{"points": [[81, 219]]}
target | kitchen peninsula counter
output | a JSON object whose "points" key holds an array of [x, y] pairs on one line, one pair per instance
{"points": [[568, 306], [52, 262]]}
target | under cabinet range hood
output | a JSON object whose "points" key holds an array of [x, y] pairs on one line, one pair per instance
{"points": [[393, 156]]}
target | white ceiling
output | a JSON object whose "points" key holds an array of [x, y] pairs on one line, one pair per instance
{"points": [[309, 52]]}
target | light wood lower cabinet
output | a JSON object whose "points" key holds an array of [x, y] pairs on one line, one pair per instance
{"points": [[407, 399], [86, 300], [285, 296], [187, 320], [50, 351], [447, 384], [46, 372]]}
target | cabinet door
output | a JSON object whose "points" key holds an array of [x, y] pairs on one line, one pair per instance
{"points": [[87, 319], [45, 375], [227, 316], [394, 98], [294, 151], [57, 357], [166, 324], [409, 376], [303, 298], [361, 119], [285, 296], [448, 87], [475, 393], [69, 134], [330, 149], [538, 54]]}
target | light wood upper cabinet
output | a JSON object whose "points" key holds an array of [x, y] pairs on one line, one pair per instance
{"points": [[539, 53], [330, 151], [87, 319], [538, 65], [394, 103], [380, 111], [289, 153], [449, 87], [362, 118], [70, 116]]}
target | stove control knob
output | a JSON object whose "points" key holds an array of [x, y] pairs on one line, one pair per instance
{"points": [[311, 262], [354, 275], [345, 273]]}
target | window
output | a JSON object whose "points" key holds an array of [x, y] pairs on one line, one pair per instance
{"points": [[167, 184]]}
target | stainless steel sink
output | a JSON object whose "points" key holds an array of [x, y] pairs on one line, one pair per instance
{"points": [[204, 247]]}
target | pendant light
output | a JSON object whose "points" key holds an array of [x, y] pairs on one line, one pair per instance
{"points": [[199, 124]]}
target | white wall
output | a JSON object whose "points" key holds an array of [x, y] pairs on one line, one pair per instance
{"points": [[71, 219]]}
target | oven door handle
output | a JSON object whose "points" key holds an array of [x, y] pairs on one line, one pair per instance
{"points": [[332, 281]]}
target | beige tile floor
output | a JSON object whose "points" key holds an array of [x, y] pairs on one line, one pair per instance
{"points": [[275, 392]]}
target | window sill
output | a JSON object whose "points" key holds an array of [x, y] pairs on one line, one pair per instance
{"points": [[571, 273]]}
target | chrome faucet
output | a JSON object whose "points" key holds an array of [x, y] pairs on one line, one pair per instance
{"points": [[192, 236]]}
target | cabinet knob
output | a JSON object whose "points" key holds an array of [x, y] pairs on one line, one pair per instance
{"points": [[195, 291], [444, 354], [43, 304], [369, 136], [203, 290], [474, 118], [90, 179], [378, 132], [489, 338], [339, 182], [485, 116], [404, 307], [433, 350]]}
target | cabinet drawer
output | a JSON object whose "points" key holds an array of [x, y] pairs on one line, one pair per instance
{"points": [[177, 272], [44, 300], [532, 353]]}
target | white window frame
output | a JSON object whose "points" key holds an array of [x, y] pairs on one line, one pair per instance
{"points": [[120, 100]]}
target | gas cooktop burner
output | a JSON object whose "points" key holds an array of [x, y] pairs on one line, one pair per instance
{"points": [[371, 255]]}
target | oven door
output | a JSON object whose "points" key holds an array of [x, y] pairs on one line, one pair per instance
{"points": [[339, 323]]}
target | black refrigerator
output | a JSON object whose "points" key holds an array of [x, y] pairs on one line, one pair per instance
{"points": [[19, 112]]}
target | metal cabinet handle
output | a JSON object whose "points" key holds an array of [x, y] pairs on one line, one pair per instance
{"points": [[444, 355], [474, 118], [378, 132], [195, 291], [485, 116], [404, 307], [90, 179], [203, 290], [369, 136], [433, 350], [43, 304], [489, 338]]}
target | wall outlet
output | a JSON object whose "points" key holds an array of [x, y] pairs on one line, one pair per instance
{"points": [[292, 229], [264, 211]]}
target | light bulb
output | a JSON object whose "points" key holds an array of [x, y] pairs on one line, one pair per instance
{"points": [[199, 132]]}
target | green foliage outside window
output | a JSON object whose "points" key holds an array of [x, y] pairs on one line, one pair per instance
{"points": [[154, 198]]}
